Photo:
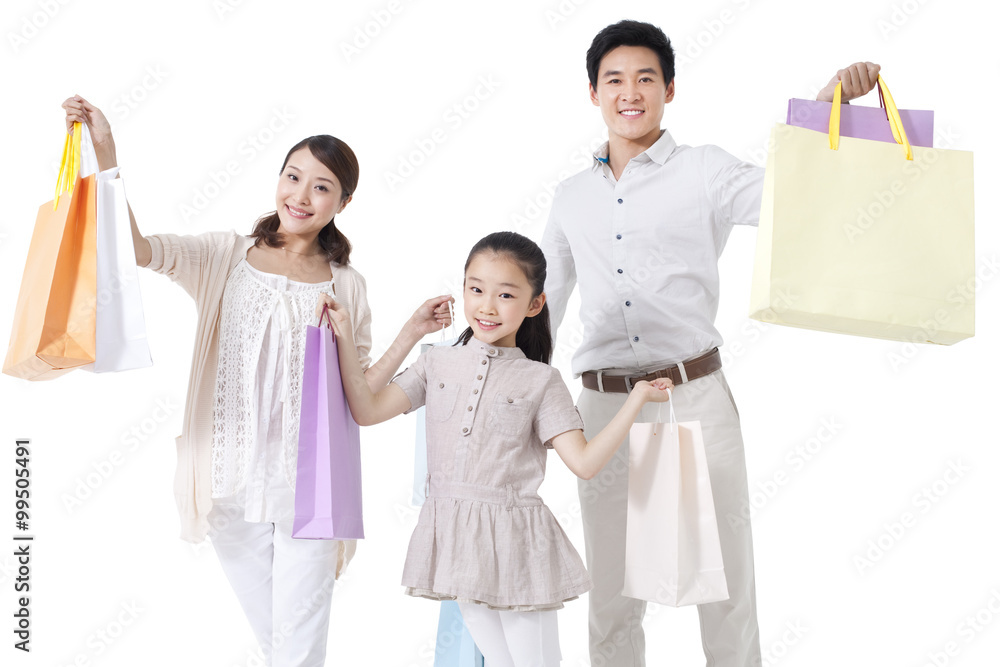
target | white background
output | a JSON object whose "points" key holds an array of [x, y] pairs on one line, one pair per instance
{"points": [[187, 84]]}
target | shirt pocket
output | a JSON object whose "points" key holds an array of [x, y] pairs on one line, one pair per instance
{"points": [[441, 399], [510, 415]]}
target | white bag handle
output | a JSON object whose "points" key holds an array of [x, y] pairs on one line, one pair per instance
{"points": [[673, 416]]}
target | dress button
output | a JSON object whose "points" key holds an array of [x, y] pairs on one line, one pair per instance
{"points": [[620, 271], [469, 408]]}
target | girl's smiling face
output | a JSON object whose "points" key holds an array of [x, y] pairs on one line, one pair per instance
{"points": [[497, 299], [308, 195]]}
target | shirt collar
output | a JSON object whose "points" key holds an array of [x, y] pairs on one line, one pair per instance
{"points": [[495, 351], [658, 152]]}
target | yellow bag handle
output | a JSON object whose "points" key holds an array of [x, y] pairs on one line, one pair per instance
{"points": [[891, 112], [69, 164]]}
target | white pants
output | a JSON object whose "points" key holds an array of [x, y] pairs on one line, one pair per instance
{"points": [[729, 631], [285, 586], [513, 638]]}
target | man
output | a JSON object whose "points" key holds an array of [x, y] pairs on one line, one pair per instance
{"points": [[641, 231]]}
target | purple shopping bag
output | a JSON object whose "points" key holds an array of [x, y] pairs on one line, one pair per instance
{"points": [[328, 475], [862, 122]]}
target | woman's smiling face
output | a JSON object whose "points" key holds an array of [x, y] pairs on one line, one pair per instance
{"points": [[308, 195]]}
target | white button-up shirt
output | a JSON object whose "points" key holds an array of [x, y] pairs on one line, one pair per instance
{"points": [[645, 251]]}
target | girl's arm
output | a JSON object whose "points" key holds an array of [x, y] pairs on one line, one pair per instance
{"points": [[367, 406], [79, 110], [428, 318], [586, 459]]}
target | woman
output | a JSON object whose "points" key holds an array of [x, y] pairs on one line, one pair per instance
{"points": [[236, 454]]}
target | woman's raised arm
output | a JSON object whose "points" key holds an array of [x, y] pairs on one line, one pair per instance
{"points": [[79, 110]]}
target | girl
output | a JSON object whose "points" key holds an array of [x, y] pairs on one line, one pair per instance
{"points": [[237, 452], [484, 537]]}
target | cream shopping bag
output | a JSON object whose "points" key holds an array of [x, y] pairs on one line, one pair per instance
{"points": [[865, 237], [672, 551]]}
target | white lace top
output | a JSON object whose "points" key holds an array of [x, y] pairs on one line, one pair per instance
{"points": [[259, 389]]}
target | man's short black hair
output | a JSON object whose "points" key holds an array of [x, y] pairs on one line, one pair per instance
{"points": [[631, 33]]}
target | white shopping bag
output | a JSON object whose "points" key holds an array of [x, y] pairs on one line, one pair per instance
{"points": [[420, 448], [121, 325], [672, 551]]}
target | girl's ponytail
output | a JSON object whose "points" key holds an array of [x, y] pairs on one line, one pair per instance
{"points": [[535, 337]]}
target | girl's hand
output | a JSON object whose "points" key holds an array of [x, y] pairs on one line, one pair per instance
{"points": [[79, 110], [655, 391], [432, 315]]}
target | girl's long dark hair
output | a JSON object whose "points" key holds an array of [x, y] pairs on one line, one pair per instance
{"points": [[338, 158], [534, 337]]}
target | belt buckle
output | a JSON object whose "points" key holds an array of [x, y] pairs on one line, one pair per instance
{"points": [[628, 383]]}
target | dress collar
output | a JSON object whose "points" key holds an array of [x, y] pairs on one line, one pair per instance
{"points": [[495, 351]]}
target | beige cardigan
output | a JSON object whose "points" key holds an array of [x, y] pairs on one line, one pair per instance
{"points": [[201, 265]]}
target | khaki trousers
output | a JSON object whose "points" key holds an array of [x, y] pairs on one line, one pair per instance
{"points": [[729, 631]]}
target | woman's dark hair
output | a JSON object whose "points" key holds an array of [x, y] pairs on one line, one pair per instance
{"points": [[534, 337], [630, 33], [338, 158]]}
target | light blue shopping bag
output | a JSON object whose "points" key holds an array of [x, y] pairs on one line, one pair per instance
{"points": [[454, 647]]}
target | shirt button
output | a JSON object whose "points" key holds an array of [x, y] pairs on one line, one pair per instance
{"points": [[479, 377], [621, 201], [510, 400], [484, 362], [441, 385], [465, 430], [475, 391], [636, 339], [628, 303], [620, 271], [493, 352], [619, 237], [469, 408]]}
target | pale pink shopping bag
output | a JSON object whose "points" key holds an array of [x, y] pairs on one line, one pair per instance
{"points": [[328, 474], [672, 551]]}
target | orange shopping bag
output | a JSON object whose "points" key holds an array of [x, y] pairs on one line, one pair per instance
{"points": [[55, 319]]}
